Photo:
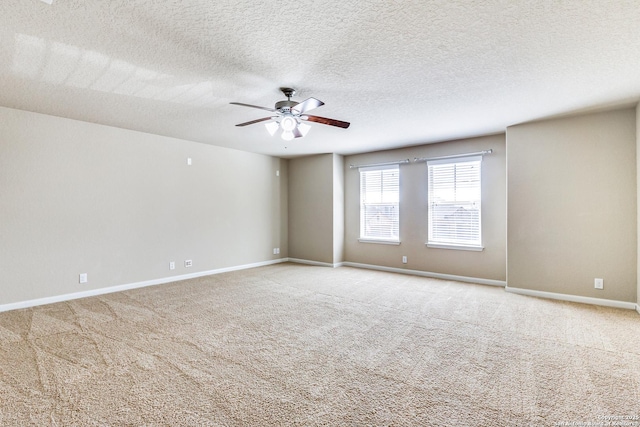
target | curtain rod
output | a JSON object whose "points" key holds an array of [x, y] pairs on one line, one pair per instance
{"points": [[477, 153], [397, 162]]}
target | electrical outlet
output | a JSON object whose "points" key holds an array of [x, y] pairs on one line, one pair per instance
{"points": [[277, 173], [188, 263], [404, 259], [189, 162], [84, 278], [598, 283], [172, 265], [277, 251], [274, 251]]}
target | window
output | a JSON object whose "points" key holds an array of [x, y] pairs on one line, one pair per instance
{"points": [[455, 203], [379, 204]]}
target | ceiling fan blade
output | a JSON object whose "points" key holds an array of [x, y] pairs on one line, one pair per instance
{"points": [[330, 122], [253, 106], [306, 105], [264, 119]]}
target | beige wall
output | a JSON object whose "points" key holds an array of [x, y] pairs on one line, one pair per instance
{"points": [[338, 209], [316, 225], [638, 198], [572, 205], [119, 205], [311, 208], [488, 264]]}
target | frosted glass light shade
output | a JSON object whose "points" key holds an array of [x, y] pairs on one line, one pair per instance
{"points": [[272, 127], [303, 128], [287, 135], [288, 123]]}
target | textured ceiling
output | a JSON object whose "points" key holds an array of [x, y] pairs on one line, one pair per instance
{"points": [[402, 72]]}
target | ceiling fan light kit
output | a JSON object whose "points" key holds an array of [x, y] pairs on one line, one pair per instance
{"points": [[288, 123], [290, 116]]}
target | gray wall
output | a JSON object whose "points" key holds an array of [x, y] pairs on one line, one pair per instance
{"points": [[572, 191], [77, 197], [488, 264]]}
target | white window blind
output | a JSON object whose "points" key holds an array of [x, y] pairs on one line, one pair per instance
{"points": [[455, 202], [379, 203]]}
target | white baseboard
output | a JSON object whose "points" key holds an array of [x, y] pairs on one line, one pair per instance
{"points": [[125, 287], [128, 286], [428, 274], [638, 308], [317, 263], [574, 298]]}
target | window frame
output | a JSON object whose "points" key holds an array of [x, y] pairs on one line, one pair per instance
{"points": [[363, 238], [459, 244]]}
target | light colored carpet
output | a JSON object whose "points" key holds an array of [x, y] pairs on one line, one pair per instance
{"points": [[299, 345]]}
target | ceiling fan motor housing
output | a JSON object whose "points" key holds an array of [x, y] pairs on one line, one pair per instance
{"points": [[285, 106]]}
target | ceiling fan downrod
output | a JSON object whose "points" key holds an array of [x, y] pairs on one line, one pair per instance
{"points": [[287, 105]]}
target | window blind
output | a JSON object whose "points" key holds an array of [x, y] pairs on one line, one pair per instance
{"points": [[379, 203], [454, 213]]}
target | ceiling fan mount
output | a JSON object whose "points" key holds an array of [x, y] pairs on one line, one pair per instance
{"points": [[288, 92], [289, 116]]}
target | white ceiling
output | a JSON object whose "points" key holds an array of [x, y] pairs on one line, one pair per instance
{"points": [[402, 72]]}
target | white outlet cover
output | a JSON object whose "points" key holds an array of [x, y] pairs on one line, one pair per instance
{"points": [[172, 265], [83, 278], [599, 283]]}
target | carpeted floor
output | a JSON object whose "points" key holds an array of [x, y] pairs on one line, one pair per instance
{"points": [[298, 345]]}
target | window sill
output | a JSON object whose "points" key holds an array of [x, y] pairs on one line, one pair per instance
{"points": [[455, 247], [379, 241]]}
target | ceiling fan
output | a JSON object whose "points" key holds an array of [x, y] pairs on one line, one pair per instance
{"points": [[290, 115]]}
